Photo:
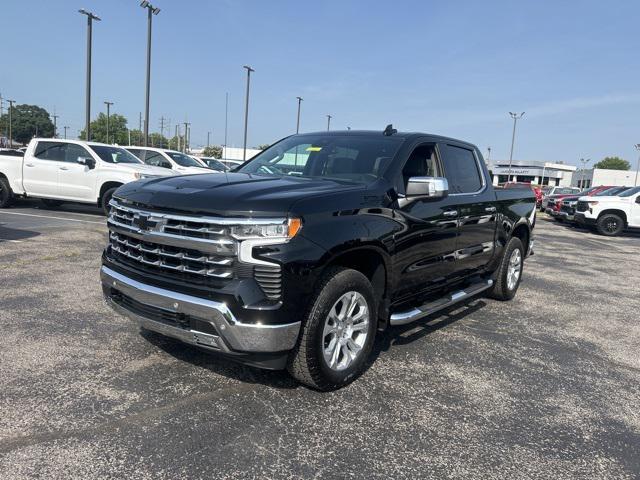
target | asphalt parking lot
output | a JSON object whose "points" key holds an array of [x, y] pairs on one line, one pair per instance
{"points": [[545, 386]]}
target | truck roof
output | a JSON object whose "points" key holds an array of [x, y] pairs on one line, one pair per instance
{"points": [[378, 133], [79, 142]]}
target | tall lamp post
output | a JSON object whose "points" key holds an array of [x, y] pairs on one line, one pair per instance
{"points": [[298, 119], [108, 104], [329, 117], [515, 117], [635, 183], [584, 162], [10, 102], [90, 18], [151, 10], [246, 110]]}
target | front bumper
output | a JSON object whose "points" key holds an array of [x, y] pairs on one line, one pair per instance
{"points": [[569, 217], [582, 219], [193, 320]]}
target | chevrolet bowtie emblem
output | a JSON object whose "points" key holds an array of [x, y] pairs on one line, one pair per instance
{"points": [[144, 222]]}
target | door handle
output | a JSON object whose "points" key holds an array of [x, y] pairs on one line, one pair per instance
{"points": [[450, 213], [490, 209], [28, 165], [64, 168]]}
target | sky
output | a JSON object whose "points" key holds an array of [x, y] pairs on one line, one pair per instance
{"points": [[450, 68]]}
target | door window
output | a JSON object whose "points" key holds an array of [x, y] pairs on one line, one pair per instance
{"points": [[421, 163], [461, 170], [73, 151], [50, 151], [156, 159]]}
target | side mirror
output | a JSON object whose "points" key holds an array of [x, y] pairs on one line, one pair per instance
{"points": [[87, 161], [428, 187], [638, 199]]}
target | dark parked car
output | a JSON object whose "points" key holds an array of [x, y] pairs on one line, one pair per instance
{"points": [[298, 258]]}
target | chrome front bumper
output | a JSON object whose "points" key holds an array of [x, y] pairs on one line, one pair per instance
{"points": [[232, 336]]}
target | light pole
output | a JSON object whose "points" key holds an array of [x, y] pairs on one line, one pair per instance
{"points": [[298, 120], [10, 102], [584, 162], [90, 18], [108, 104], [55, 125], [226, 118], [246, 110], [65, 132], [635, 183], [515, 117], [544, 167], [151, 10], [329, 117], [208, 136], [185, 144]]}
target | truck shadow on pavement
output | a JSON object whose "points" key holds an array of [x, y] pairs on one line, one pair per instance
{"points": [[393, 336], [13, 234]]}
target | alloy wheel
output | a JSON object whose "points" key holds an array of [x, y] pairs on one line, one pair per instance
{"points": [[514, 269], [345, 331]]}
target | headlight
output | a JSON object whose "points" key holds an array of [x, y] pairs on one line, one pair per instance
{"points": [[592, 202], [284, 231], [140, 176]]}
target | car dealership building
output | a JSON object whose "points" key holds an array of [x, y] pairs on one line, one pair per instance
{"points": [[531, 171]]}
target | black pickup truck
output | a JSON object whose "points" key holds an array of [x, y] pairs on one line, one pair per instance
{"points": [[301, 255]]}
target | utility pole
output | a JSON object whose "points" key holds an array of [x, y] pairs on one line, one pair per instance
{"points": [[185, 144], [90, 18], [298, 120], [108, 104], [161, 132], [10, 102], [329, 117], [151, 10], [584, 162], [635, 183], [226, 119], [208, 137], [515, 117], [65, 132], [246, 111], [55, 125]]}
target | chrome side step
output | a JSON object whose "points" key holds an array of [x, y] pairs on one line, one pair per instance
{"points": [[402, 318]]}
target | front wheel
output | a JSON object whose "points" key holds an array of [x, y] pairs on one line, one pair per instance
{"points": [[610, 225], [338, 332], [6, 194], [106, 198], [509, 273]]}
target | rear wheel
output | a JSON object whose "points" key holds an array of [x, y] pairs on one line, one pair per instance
{"points": [[106, 198], [6, 194], [338, 332], [610, 225], [50, 203], [509, 273]]}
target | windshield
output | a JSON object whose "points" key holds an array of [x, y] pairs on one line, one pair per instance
{"points": [[114, 154], [184, 160], [566, 191], [351, 158], [216, 165], [611, 191], [630, 192]]}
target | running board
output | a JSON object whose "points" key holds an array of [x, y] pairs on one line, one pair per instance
{"points": [[402, 318]]}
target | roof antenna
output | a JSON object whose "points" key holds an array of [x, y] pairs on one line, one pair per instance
{"points": [[389, 130]]}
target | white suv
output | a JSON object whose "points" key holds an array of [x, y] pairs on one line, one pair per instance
{"points": [[179, 162], [610, 215]]}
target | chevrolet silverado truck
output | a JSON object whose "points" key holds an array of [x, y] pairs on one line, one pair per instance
{"points": [[301, 255], [610, 215], [58, 171]]}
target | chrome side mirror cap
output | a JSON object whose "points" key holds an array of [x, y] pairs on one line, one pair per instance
{"points": [[428, 187]]}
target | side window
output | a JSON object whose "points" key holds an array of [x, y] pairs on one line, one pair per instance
{"points": [[50, 151], [138, 153], [156, 159], [73, 151], [421, 163], [461, 170]]}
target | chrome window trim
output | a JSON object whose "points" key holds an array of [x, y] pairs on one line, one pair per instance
{"points": [[480, 170]]}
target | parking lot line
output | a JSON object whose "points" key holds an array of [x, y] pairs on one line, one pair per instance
{"points": [[49, 217], [12, 241]]}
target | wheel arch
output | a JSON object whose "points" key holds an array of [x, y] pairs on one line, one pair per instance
{"points": [[614, 211], [106, 186]]}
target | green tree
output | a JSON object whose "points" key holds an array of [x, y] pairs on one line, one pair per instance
{"points": [[118, 132], [27, 121], [158, 140], [263, 146], [212, 151], [613, 163]]}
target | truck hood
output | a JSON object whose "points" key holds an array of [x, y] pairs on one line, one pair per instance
{"points": [[145, 169], [607, 198], [231, 194], [191, 170]]}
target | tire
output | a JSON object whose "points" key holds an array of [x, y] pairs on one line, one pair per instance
{"points": [[504, 287], [610, 225], [313, 361], [105, 199], [6, 194], [50, 203]]}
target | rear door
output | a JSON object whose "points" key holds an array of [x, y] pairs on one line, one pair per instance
{"points": [[76, 181], [425, 247], [475, 205], [41, 169]]}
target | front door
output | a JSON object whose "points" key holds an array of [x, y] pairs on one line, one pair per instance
{"points": [[425, 247], [475, 205], [40, 173], [77, 181]]}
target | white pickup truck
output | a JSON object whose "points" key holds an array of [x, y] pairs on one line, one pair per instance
{"points": [[180, 163], [608, 214], [60, 171]]}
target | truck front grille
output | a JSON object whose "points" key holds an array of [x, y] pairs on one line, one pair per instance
{"points": [[582, 206]]}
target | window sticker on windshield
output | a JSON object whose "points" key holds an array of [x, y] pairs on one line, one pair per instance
{"points": [[314, 149]]}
